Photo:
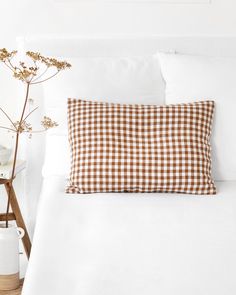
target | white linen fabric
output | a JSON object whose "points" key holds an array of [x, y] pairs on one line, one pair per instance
{"points": [[190, 77], [57, 156], [124, 244]]}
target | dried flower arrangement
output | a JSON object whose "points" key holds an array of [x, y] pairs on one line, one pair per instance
{"points": [[34, 73]]}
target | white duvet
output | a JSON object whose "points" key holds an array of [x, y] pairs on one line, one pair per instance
{"points": [[133, 244]]}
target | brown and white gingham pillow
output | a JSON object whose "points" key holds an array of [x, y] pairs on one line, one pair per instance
{"points": [[140, 148]]}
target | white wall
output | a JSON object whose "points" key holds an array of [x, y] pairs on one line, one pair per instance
{"points": [[76, 17]]}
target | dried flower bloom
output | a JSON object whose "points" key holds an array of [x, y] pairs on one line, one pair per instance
{"points": [[49, 62], [6, 55], [47, 123], [60, 65], [26, 74], [23, 127], [36, 56], [30, 73]]}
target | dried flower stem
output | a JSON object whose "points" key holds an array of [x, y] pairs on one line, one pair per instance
{"points": [[35, 131], [15, 153], [7, 116], [9, 67], [34, 83], [30, 113], [9, 129], [40, 76]]}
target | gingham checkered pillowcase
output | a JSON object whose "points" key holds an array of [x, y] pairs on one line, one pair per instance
{"points": [[140, 148]]}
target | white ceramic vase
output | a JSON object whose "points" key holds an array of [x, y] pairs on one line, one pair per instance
{"points": [[9, 256]]}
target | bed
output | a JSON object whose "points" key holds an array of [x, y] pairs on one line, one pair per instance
{"points": [[127, 243], [133, 244]]}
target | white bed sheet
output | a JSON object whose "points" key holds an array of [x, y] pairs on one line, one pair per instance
{"points": [[133, 244]]}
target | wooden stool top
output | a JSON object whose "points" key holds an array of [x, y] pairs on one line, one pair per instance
{"points": [[4, 181]]}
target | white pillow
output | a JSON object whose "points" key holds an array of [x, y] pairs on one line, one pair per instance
{"points": [[120, 79], [112, 79], [192, 78]]}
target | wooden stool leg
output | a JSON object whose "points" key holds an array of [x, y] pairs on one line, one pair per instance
{"points": [[19, 218], [11, 216]]}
